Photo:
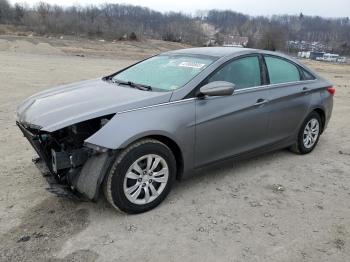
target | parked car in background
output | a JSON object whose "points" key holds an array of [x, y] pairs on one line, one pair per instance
{"points": [[330, 57], [314, 55], [341, 59], [134, 132]]}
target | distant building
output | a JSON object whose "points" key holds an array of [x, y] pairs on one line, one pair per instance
{"points": [[210, 42], [314, 55], [235, 40], [305, 54], [305, 45]]}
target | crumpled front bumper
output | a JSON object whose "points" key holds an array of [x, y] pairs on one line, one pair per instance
{"points": [[45, 168], [33, 140], [83, 180]]}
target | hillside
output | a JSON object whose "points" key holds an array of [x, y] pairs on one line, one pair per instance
{"points": [[127, 22], [84, 47]]}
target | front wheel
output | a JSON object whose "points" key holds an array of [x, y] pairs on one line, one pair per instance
{"points": [[141, 176], [308, 135]]}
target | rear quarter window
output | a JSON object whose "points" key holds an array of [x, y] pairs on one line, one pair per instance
{"points": [[307, 75], [281, 71]]}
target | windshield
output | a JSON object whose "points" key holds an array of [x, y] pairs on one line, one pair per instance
{"points": [[164, 72]]}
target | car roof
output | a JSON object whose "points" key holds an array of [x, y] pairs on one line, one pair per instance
{"points": [[223, 51], [218, 51]]}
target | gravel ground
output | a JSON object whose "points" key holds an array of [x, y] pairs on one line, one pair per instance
{"points": [[276, 207]]}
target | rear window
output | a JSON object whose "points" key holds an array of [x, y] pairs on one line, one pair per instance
{"points": [[281, 71]]}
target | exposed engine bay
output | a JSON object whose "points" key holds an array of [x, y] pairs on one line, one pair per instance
{"points": [[65, 153]]}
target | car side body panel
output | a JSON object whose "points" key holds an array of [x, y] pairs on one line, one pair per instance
{"points": [[326, 105], [129, 126], [288, 105]]}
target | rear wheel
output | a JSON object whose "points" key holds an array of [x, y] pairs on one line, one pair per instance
{"points": [[141, 176], [309, 134]]}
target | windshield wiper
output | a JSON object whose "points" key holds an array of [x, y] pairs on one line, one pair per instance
{"points": [[132, 84]]}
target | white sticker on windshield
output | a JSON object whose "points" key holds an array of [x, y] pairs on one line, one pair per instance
{"points": [[192, 65]]}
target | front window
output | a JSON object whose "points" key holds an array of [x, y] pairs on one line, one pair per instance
{"points": [[165, 72], [242, 72]]}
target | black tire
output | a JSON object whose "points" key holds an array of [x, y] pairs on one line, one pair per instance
{"points": [[114, 181], [299, 146]]}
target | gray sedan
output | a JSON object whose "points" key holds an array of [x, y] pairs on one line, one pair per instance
{"points": [[134, 132]]}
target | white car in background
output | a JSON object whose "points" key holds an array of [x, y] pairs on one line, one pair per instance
{"points": [[341, 59], [330, 57]]}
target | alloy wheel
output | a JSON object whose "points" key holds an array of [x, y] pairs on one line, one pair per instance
{"points": [[146, 179], [311, 133]]}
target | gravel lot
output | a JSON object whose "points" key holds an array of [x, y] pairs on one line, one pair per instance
{"points": [[276, 207]]}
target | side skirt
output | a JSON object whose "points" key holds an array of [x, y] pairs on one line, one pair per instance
{"points": [[246, 155]]}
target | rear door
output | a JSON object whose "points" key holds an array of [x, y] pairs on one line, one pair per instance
{"points": [[289, 98], [230, 125]]}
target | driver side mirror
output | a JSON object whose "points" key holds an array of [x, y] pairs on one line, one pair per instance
{"points": [[217, 88]]}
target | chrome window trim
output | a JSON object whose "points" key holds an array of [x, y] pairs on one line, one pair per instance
{"points": [[244, 90], [262, 87]]}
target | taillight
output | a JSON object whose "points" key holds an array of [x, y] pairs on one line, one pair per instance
{"points": [[331, 90]]}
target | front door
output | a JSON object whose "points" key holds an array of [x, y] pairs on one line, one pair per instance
{"points": [[230, 125]]}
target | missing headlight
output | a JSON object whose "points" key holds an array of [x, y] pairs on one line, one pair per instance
{"points": [[96, 148]]}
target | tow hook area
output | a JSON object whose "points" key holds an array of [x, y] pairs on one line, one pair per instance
{"points": [[71, 168], [63, 160], [55, 187]]}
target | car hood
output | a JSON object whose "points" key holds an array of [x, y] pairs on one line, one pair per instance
{"points": [[65, 105]]}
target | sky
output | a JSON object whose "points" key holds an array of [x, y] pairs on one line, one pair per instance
{"points": [[334, 8]]}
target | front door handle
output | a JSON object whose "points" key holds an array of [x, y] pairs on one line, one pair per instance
{"points": [[261, 101]]}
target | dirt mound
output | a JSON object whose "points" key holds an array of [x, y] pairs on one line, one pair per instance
{"points": [[80, 46], [24, 46]]}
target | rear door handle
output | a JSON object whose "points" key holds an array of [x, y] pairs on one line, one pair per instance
{"points": [[261, 101], [305, 90]]}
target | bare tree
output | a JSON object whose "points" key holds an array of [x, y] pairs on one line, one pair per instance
{"points": [[120, 21], [273, 38], [5, 12]]}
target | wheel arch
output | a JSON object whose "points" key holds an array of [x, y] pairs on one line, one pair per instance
{"points": [[173, 146], [322, 114]]}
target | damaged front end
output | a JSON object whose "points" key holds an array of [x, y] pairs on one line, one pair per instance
{"points": [[72, 167]]}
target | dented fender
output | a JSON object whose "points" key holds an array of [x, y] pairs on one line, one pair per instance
{"points": [[129, 126]]}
